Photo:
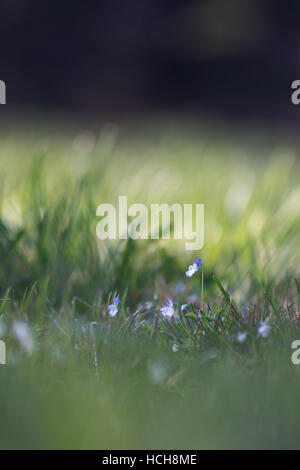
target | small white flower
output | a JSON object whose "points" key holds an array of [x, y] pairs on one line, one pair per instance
{"points": [[168, 309], [184, 306], [157, 372], [241, 337], [24, 335], [264, 329], [175, 347], [193, 268], [114, 308]]}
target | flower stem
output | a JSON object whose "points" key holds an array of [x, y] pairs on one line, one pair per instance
{"points": [[202, 287]]}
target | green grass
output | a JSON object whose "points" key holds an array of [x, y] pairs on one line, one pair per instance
{"points": [[92, 381]]}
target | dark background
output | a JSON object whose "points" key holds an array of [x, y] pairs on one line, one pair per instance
{"points": [[223, 57]]}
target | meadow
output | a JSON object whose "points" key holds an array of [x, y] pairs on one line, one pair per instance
{"points": [[93, 361]]}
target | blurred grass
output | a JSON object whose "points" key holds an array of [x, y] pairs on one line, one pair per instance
{"points": [[49, 199], [97, 382], [197, 406]]}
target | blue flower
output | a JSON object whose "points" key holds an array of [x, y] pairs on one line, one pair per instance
{"points": [[168, 309], [193, 268], [113, 308]]}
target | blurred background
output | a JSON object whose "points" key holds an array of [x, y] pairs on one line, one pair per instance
{"points": [[234, 59]]}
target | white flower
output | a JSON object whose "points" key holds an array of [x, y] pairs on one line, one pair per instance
{"points": [[175, 347], [193, 268], [264, 329], [114, 308], [184, 306], [241, 337], [24, 335], [157, 372], [168, 309]]}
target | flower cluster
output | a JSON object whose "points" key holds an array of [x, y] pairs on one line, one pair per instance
{"points": [[169, 311]]}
